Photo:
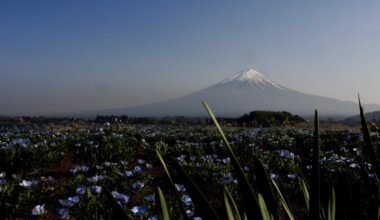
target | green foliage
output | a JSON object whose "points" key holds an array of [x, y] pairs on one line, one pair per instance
{"points": [[283, 202], [251, 202], [231, 207], [369, 148], [255, 174], [162, 208], [270, 119], [315, 204]]}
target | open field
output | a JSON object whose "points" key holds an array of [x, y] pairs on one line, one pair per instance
{"points": [[68, 171]]}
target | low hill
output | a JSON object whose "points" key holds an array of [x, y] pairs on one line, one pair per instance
{"points": [[355, 120], [270, 119]]}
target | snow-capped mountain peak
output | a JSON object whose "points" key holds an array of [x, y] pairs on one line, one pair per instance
{"points": [[253, 78], [242, 92]]}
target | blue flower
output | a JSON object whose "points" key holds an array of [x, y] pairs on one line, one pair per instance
{"points": [[149, 198], [138, 169], [180, 187], [95, 179], [137, 185], [121, 197], [124, 162], [187, 200], [96, 189], [286, 154], [63, 213], [69, 202], [153, 218], [127, 173], [139, 210], [81, 189]]}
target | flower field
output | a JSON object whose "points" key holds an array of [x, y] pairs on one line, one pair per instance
{"points": [[82, 173]]}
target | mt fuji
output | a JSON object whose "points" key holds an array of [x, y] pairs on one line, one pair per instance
{"points": [[243, 92]]}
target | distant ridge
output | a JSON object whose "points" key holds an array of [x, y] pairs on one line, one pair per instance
{"points": [[244, 91], [370, 116]]}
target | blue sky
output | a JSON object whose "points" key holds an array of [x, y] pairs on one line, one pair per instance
{"points": [[68, 56]]}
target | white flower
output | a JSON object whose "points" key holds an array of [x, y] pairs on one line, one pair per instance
{"points": [[189, 213], [26, 183], [292, 176], [274, 176], [38, 210]]}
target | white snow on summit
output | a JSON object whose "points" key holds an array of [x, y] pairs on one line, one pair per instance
{"points": [[254, 78]]}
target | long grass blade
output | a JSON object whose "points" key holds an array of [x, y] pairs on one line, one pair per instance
{"points": [[229, 211], [162, 208], [250, 199], [263, 186], [283, 202], [370, 150], [315, 189], [263, 208], [332, 205], [231, 207], [177, 195], [378, 200], [201, 205]]}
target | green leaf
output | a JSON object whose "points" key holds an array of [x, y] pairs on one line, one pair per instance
{"points": [[305, 192], [162, 209], [370, 150], [250, 199], [332, 205], [263, 208], [231, 208], [315, 189], [263, 186], [283, 202]]}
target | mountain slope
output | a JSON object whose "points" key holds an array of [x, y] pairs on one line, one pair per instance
{"points": [[370, 116], [243, 92]]}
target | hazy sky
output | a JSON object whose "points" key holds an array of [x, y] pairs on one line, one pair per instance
{"points": [[68, 56]]}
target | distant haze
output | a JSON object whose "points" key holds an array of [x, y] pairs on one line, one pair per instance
{"points": [[245, 91], [74, 56]]}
